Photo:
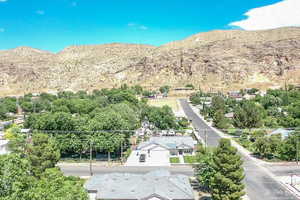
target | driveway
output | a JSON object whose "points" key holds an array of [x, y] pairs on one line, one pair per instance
{"points": [[259, 181], [154, 158]]}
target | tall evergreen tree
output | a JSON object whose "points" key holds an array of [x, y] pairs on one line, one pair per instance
{"points": [[227, 184]]}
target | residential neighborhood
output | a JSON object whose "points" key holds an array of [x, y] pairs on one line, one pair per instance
{"points": [[162, 158], [149, 100]]}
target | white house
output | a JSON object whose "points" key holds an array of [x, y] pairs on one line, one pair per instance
{"points": [[283, 132], [158, 150], [229, 115], [175, 145], [4, 147]]}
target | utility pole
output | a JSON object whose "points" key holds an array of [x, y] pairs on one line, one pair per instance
{"points": [[121, 151], [205, 135], [91, 157], [297, 149]]}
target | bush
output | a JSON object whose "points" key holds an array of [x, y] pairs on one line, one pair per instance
{"points": [[174, 160], [190, 159]]}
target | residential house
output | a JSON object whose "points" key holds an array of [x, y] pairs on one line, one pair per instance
{"points": [[235, 95], [263, 93], [206, 99], [25, 131], [36, 94], [3, 147], [283, 132], [229, 115], [155, 185], [249, 96], [174, 145], [166, 133], [6, 123]]}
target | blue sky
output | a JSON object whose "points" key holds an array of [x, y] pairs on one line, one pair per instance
{"points": [[54, 24]]}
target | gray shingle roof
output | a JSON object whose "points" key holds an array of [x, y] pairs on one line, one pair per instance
{"points": [[170, 142], [159, 183]]}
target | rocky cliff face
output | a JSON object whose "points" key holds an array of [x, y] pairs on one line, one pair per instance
{"points": [[221, 60]]}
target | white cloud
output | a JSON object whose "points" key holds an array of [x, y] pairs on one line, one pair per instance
{"points": [[74, 3], [2, 30], [137, 26], [282, 14], [40, 12], [143, 27], [131, 24]]}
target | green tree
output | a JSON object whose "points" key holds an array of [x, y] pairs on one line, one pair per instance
{"points": [[248, 115], [9, 103], [227, 183], [148, 93], [17, 182], [204, 170], [3, 112], [218, 103], [262, 147], [53, 185], [27, 106], [190, 86], [294, 109], [220, 121], [164, 89], [163, 118], [15, 177], [17, 140], [270, 101], [43, 153], [183, 122], [253, 91], [196, 98], [138, 89], [288, 148]]}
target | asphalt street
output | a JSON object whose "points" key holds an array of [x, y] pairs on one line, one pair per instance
{"points": [[259, 184], [283, 170], [84, 170]]}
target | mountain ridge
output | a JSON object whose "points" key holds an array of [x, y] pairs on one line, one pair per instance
{"points": [[222, 60]]}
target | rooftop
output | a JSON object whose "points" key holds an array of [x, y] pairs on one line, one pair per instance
{"points": [[159, 183], [284, 132], [170, 142]]}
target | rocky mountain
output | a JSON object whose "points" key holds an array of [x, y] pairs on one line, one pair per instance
{"points": [[219, 60]]}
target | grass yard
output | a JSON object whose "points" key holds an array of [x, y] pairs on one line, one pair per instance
{"points": [[174, 160], [190, 159], [172, 102]]}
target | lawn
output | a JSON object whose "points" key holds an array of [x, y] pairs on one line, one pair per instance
{"points": [[174, 160], [190, 159], [172, 102]]}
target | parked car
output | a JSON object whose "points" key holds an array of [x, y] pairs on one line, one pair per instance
{"points": [[142, 158]]}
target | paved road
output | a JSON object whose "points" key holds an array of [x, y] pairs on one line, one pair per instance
{"points": [[283, 170], [84, 170], [259, 185]]}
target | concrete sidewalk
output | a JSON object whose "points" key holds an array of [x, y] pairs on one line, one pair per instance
{"points": [[181, 159]]}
